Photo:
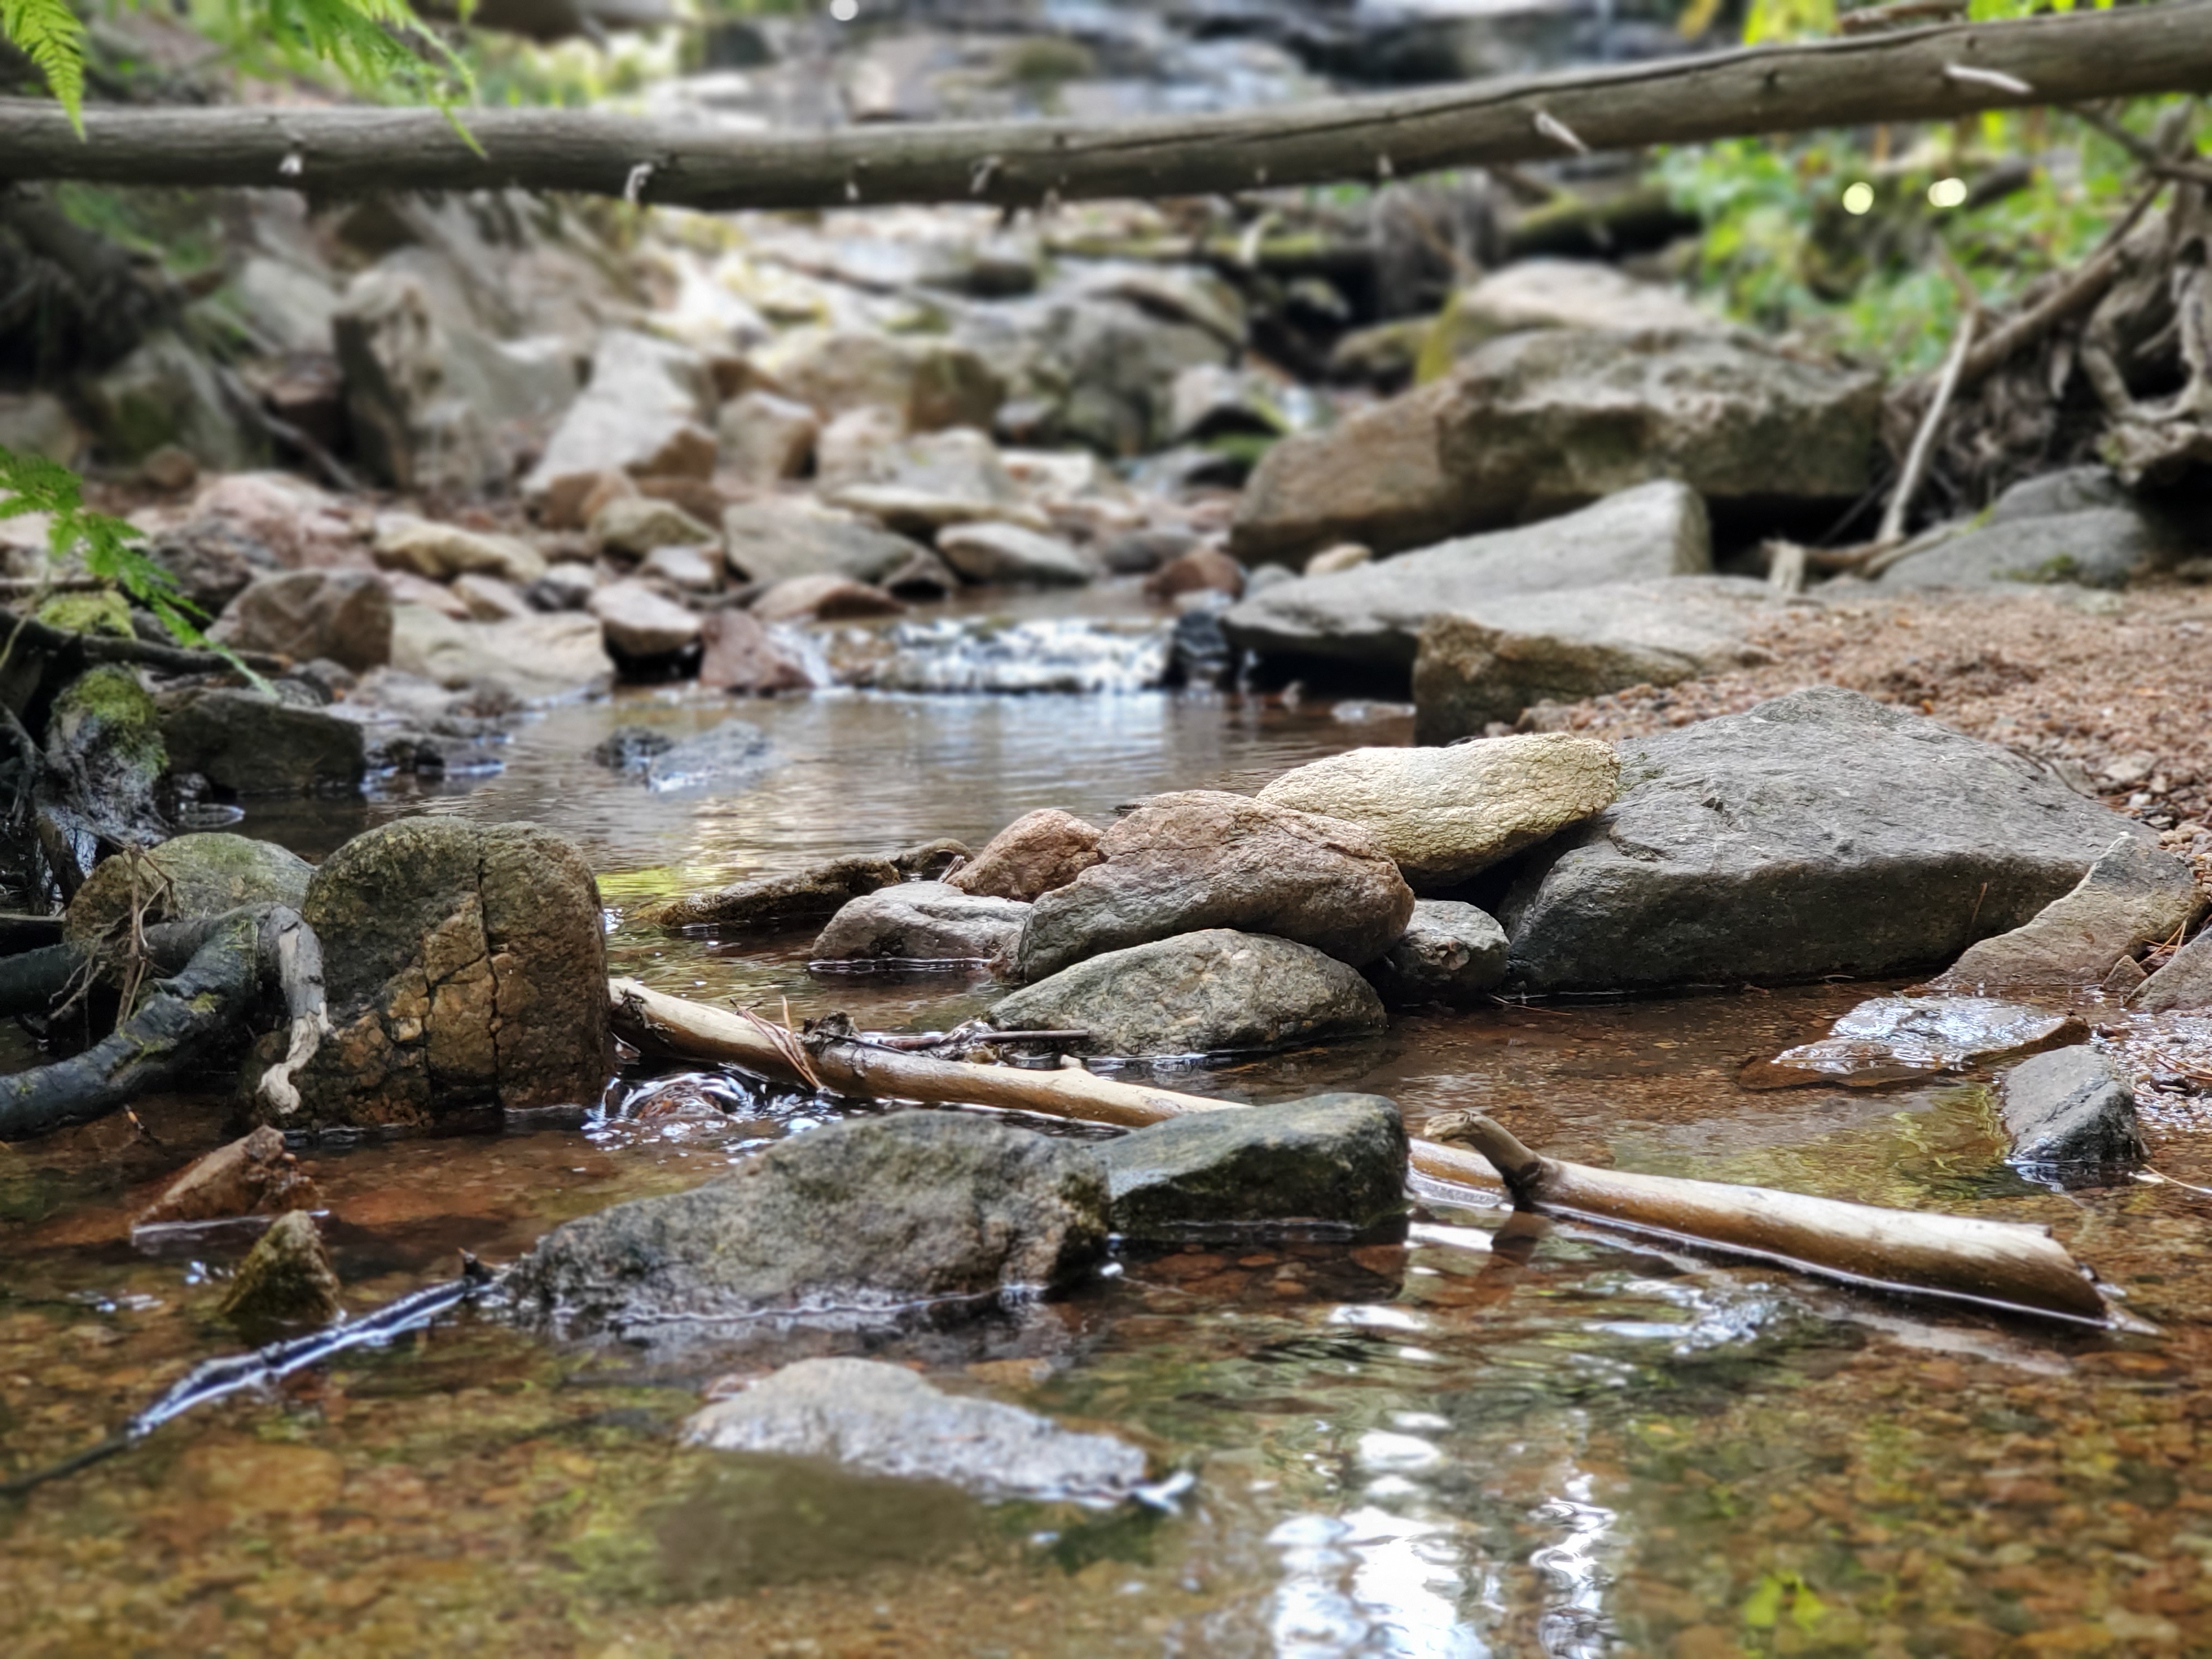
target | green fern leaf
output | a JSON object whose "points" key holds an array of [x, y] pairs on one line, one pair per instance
{"points": [[51, 35]]}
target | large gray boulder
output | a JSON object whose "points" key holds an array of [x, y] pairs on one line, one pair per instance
{"points": [[1535, 423], [1200, 859], [2078, 526], [252, 745], [769, 540], [1450, 952], [851, 1224], [918, 921], [2135, 895], [1373, 614], [1215, 991], [1820, 833], [2185, 983], [1501, 656], [1338, 1160], [644, 411], [1446, 815], [2072, 1107]]}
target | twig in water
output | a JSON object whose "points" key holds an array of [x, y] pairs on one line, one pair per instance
{"points": [[786, 1044]]}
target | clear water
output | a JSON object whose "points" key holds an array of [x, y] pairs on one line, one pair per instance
{"points": [[1492, 1439]]}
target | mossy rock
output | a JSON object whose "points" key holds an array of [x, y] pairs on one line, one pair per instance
{"points": [[105, 726], [202, 875], [102, 612], [285, 1279]]}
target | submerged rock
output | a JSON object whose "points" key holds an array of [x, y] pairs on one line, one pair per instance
{"points": [[1891, 1039], [1205, 859], [187, 876], [1450, 952], [850, 1224], [1818, 833], [804, 897], [1372, 615], [2072, 1108], [252, 745], [884, 1420], [729, 756], [286, 1279], [1035, 853], [1214, 991], [466, 968], [2133, 895], [1336, 1159], [1445, 815], [922, 922], [630, 748], [251, 1175]]}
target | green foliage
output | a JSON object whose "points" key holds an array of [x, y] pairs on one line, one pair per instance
{"points": [[50, 34], [108, 547]]}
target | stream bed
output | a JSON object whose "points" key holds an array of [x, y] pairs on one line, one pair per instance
{"points": [[1489, 1439]]}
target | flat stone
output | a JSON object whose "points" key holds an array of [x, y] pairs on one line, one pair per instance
{"points": [[1373, 614], [692, 569], [639, 623], [734, 754], [343, 615], [187, 877], [1035, 853], [1535, 423], [857, 1223], [922, 922], [1338, 1160], [885, 1420], [1205, 859], [1820, 833], [2135, 895], [823, 598], [927, 482], [804, 897], [741, 655], [2076, 526], [1531, 294], [2183, 984], [1891, 1039], [1450, 952], [634, 525], [1009, 553], [252, 745], [2072, 1108], [533, 659], [443, 551], [1498, 657], [1213, 991], [1445, 815], [768, 541]]}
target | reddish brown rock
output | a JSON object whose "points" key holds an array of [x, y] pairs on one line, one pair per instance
{"points": [[740, 656], [254, 1176], [1031, 856], [1201, 568]]}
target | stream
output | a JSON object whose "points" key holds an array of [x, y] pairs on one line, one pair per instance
{"points": [[1538, 1440]]}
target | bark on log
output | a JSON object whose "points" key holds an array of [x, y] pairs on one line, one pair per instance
{"points": [[1987, 1263], [1929, 74], [32, 635]]}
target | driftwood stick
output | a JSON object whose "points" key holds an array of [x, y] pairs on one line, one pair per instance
{"points": [[1923, 441], [1912, 75], [2075, 295], [1999, 1264]]}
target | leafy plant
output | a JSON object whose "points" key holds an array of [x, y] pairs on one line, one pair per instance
{"points": [[108, 547], [52, 36]]}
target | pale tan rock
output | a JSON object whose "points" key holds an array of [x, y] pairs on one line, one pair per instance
{"points": [[1446, 814], [636, 525], [572, 500], [1345, 556], [765, 438], [639, 623], [823, 598], [1035, 853], [488, 599], [443, 551], [343, 615]]}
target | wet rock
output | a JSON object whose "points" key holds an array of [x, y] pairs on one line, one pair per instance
{"points": [[628, 748], [163, 394], [769, 541], [1203, 570], [2078, 525], [927, 482], [1534, 293], [2072, 1108], [731, 756], [2133, 895], [1891, 1039], [883, 1419], [185, 877], [1445, 815], [2183, 984], [343, 615], [823, 598], [765, 439], [805, 897], [1035, 853], [740, 655], [1006, 553], [443, 551], [1535, 423], [851, 1224], [1820, 833], [933, 382], [916, 921], [1450, 952], [1211, 991], [531, 660], [489, 599], [252, 745], [633, 525], [643, 412], [1336, 1159], [1203, 858], [640, 623], [286, 1279], [105, 734], [1373, 614], [465, 969], [1496, 657], [251, 1175]]}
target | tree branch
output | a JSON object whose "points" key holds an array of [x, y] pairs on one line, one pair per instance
{"points": [[1926, 74]]}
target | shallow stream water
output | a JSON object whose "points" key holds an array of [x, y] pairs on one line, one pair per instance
{"points": [[1490, 1439]]}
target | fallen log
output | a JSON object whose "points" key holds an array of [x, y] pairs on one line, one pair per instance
{"points": [[1992, 1264], [1933, 74], [29, 634], [1998, 1264]]}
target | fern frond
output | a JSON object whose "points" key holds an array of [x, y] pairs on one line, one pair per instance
{"points": [[377, 43], [52, 36]]}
